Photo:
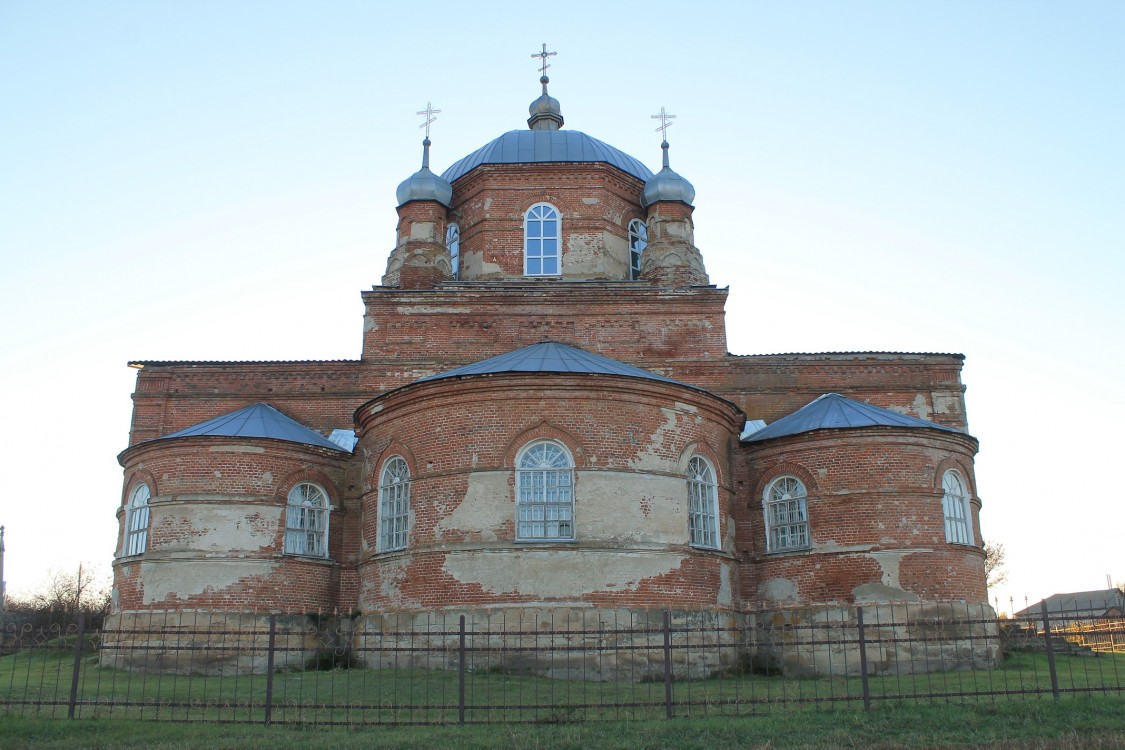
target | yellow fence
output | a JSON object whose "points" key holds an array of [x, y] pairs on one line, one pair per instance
{"points": [[1107, 636]]}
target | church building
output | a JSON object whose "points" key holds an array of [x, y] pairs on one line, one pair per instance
{"points": [[545, 418]]}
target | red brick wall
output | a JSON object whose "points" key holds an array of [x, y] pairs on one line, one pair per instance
{"points": [[594, 200], [871, 490], [449, 430]]}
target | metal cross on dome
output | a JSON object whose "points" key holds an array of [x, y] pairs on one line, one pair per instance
{"points": [[664, 117], [428, 113], [543, 64]]}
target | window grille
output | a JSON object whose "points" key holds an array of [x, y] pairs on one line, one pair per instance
{"points": [[394, 504], [787, 520], [306, 521], [545, 494]]}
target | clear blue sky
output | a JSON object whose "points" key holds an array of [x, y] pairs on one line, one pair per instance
{"points": [[215, 180]]}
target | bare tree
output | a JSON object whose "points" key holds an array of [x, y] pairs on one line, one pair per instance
{"points": [[61, 597], [994, 572]]}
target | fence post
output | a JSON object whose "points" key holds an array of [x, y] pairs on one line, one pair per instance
{"points": [[269, 669], [1050, 649], [668, 664], [461, 671], [863, 659], [77, 664]]}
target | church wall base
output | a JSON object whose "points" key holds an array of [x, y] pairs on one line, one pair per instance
{"points": [[897, 639]]}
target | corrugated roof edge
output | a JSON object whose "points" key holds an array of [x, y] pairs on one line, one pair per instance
{"points": [[851, 354], [178, 362]]}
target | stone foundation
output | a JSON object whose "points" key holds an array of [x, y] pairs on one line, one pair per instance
{"points": [[898, 639], [212, 643]]}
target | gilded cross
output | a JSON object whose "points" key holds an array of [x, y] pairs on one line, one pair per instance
{"points": [[428, 113], [543, 64], [664, 117]]}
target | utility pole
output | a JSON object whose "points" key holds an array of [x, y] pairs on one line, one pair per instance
{"points": [[2, 605]]}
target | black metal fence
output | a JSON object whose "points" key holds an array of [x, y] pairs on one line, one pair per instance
{"points": [[308, 669]]}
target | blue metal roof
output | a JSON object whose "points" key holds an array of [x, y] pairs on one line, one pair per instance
{"points": [[548, 356], [833, 411], [532, 146], [256, 421]]}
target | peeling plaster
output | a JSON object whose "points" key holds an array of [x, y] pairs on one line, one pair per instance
{"points": [[559, 574], [218, 529], [650, 456], [725, 597], [236, 449], [920, 407], [182, 579], [485, 509], [778, 590]]}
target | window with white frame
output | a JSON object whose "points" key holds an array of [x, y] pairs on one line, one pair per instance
{"points": [[703, 506], [306, 521], [544, 493], [136, 521], [453, 244], [394, 504], [955, 503], [638, 241], [542, 241], [787, 517]]}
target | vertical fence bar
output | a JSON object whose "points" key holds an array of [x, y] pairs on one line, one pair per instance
{"points": [[461, 670], [863, 659], [668, 664], [77, 663], [269, 669], [1050, 649]]}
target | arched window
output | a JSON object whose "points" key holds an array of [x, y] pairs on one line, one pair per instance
{"points": [[136, 521], [544, 493], [703, 506], [542, 240], [638, 241], [306, 521], [787, 518], [955, 503], [394, 504], [453, 244]]}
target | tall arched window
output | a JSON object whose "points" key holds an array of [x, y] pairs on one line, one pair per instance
{"points": [[136, 521], [542, 241], [638, 241], [453, 244], [955, 503], [544, 493], [787, 518], [703, 506], [394, 504], [306, 521]]}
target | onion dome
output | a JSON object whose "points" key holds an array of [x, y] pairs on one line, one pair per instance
{"points": [[666, 185], [424, 185], [546, 114]]}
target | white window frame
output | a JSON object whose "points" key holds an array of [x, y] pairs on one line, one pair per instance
{"points": [[785, 505], [956, 509], [307, 513], [544, 493], [537, 241], [453, 244], [703, 504], [394, 505], [638, 241], [136, 521]]}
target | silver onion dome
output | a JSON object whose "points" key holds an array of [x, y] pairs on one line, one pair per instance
{"points": [[666, 185], [424, 185], [546, 113]]}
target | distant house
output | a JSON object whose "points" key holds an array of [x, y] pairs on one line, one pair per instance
{"points": [[1078, 607]]}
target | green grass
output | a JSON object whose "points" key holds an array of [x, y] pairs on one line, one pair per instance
{"points": [[36, 684], [1087, 722]]}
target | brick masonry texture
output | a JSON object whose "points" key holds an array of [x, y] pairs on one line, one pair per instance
{"points": [[219, 504]]}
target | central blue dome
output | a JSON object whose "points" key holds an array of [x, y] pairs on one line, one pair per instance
{"points": [[534, 146]]}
